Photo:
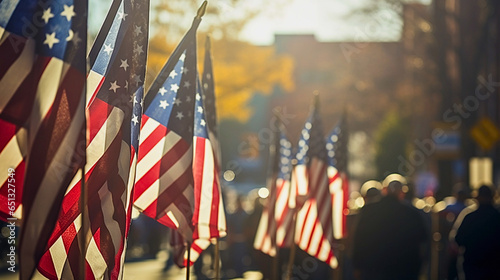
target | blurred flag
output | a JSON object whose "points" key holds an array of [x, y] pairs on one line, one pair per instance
{"points": [[276, 223], [336, 145], [314, 231], [209, 100], [114, 92], [42, 76]]}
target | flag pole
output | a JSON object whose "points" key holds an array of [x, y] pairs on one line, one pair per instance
{"points": [[188, 263], [293, 248], [216, 260], [83, 192]]}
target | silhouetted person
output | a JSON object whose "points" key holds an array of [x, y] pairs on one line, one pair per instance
{"points": [[479, 235], [389, 238], [447, 217]]}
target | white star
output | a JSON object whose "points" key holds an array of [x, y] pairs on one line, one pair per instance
{"points": [[137, 30], [187, 84], [198, 97], [138, 49], [114, 86], [124, 64], [122, 15], [200, 109], [137, 79], [205, 86], [183, 56], [162, 91], [208, 76], [163, 104], [135, 120], [174, 88], [188, 99], [50, 40], [202, 122], [179, 115], [172, 74], [108, 49], [73, 37], [68, 12], [126, 84], [177, 102], [184, 70], [132, 99], [47, 15]]}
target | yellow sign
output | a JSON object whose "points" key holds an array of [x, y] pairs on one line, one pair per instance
{"points": [[485, 133]]}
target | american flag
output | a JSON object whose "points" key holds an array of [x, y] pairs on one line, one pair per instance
{"points": [[336, 145], [314, 231], [209, 100], [164, 184], [114, 97], [42, 76], [276, 223]]}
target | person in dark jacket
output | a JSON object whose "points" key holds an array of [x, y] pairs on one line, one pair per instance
{"points": [[389, 238], [478, 233]]}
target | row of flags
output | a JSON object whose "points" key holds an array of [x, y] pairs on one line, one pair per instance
{"points": [[156, 151], [307, 205]]}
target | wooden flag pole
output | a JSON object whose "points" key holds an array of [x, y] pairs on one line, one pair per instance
{"points": [[188, 263]]}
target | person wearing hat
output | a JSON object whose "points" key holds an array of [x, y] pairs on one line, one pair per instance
{"points": [[478, 235], [389, 239]]}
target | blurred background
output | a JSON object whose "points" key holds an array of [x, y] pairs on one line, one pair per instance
{"points": [[418, 79]]}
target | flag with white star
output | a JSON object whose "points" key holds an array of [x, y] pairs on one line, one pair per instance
{"points": [[336, 146], [42, 76], [164, 181], [276, 222], [114, 109], [314, 230]]}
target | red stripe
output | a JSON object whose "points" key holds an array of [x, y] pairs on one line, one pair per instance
{"points": [[198, 169], [151, 140], [175, 152], [98, 114], [10, 50]]}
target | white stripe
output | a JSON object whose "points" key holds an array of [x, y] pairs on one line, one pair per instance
{"points": [[149, 126], [166, 179], [124, 168], [17, 73], [205, 207], [59, 256], [101, 142], [172, 217], [95, 259], [93, 81], [47, 89], [51, 182], [108, 208], [10, 157]]}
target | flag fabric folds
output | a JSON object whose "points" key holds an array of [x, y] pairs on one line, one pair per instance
{"points": [[209, 216], [114, 102], [42, 76], [164, 184], [177, 173], [276, 223], [336, 145], [314, 231]]}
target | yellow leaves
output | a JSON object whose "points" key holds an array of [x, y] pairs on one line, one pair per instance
{"points": [[240, 70]]}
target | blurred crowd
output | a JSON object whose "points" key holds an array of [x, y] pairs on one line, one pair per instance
{"points": [[391, 235]]}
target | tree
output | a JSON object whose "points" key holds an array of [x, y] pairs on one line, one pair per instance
{"points": [[240, 70]]}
